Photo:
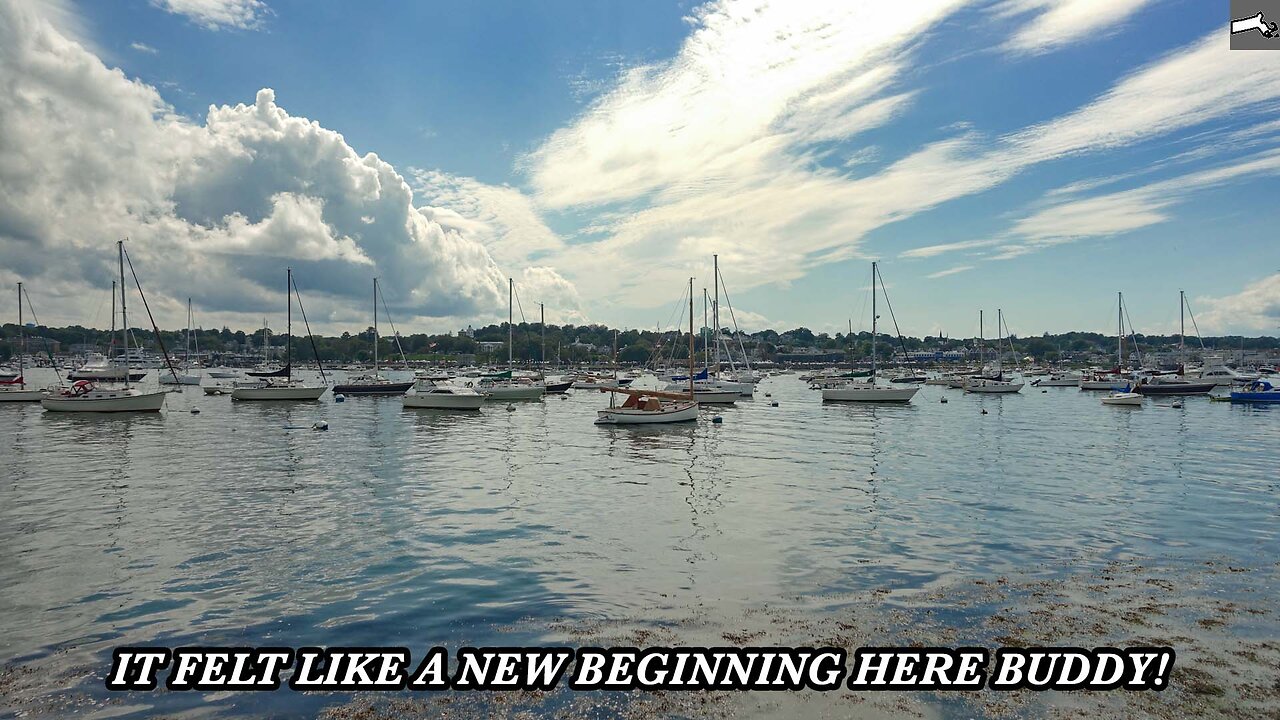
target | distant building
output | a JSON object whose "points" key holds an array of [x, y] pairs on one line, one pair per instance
{"points": [[490, 346]]}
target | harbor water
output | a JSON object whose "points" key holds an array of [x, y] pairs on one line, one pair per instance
{"points": [[241, 526]]}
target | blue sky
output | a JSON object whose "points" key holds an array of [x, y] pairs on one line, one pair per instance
{"points": [[1031, 155]]}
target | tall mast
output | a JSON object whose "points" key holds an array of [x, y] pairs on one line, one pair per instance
{"points": [[982, 341], [706, 323], [873, 322], [715, 311], [22, 339], [124, 314], [111, 349], [542, 322], [288, 339], [187, 352], [1182, 329], [1119, 329], [691, 395], [999, 337], [375, 326], [511, 290]]}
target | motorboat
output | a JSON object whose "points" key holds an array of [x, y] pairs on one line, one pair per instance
{"points": [[98, 368], [1258, 391], [1130, 399], [441, 396]]}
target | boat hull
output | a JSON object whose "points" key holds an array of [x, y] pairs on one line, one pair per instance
{"points": [[1056, 382], [444, 401], [1103, 384], [1256, 397], [1124, 399], [297, 392], [387, 388], [519, 392], [994, 388], [16, 395], [167, 379], [105, 375], [106, 401], [869, 394], [1177, 388], [679, 412], [560, 387]]}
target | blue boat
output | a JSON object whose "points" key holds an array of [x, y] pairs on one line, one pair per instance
{"points": [[1259, 391]]}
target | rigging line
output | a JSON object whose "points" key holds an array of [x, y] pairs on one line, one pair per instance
{"points": [[1137, 351], [392, 323], [741, 346], [901, 341], [159, 340], [523, 321], [44, 340], [307, 325], [1008, 335], [1193, 324]]}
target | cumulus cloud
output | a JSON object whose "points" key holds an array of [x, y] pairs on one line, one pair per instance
{"points": [[213, 211], [1256, 308], [218, 14]]}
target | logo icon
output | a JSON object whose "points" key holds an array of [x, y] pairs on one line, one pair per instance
{"points": [[1252, 26]]}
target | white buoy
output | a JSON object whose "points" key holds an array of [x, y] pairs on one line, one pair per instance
{"points": [[1176, 404]]}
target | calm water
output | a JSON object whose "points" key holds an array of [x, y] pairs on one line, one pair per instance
{"points": [[423, 528]]}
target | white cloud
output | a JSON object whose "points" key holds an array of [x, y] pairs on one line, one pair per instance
{"points": [[949, 271], [1059, 22], [1256, 308], [213, 211], [218, 14], [143, 48]]}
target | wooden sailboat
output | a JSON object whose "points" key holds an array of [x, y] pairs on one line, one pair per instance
{"points": [[276, 387], [374, 384], [652, 407], [866, 390], [86, 396], [15, 389]]}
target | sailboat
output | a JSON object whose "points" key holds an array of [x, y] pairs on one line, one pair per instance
{"points": [[15, 389], [1158, 384], [374, 384], [185, 377], [504, 385], [997, 384], [866, 390], [86, 396], [277, 387], [742, 381], [651, 407]]}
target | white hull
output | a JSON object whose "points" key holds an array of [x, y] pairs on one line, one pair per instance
{"points": [[1102, 384], [515, 392], [16, 395], [869, 393], [1131, 399], [675, 412], [444, 400], [993, 387], [106, 401], [1058, 382], [166, 378], [289, 392], [223, 374]]}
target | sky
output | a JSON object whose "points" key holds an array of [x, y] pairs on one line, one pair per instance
{"points": [[1032, 156]]}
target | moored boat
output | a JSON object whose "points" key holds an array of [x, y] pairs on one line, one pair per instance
{"points": [[441, 396], [13, 386], [273, 385], [1258, 391], [860, 390]]}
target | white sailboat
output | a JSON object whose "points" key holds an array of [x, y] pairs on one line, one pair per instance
{"points": [[505, 385], [86, 396], [866, 390], [994, 385], [652, 407], [283, 386], [15, 389], [186, 377]]}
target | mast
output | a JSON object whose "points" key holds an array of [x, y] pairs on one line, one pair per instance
{"points": [[511, 290], [982, 341], [1182, 331], [715, 311], [375, 326], [999, 337], [873, 322], [22, 341], [706, 341], [1119, 330], [288, 339], [691, 395], [111, 348], [264, 342], [124, 314], [186, 359], [542, 322]]}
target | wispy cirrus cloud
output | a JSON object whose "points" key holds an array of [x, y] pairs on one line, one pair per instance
{"points": [[1050, 24], [143, 48], [949, 271]]}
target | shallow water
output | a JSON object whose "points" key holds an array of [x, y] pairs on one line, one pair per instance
{"points": [[421, 528]]}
